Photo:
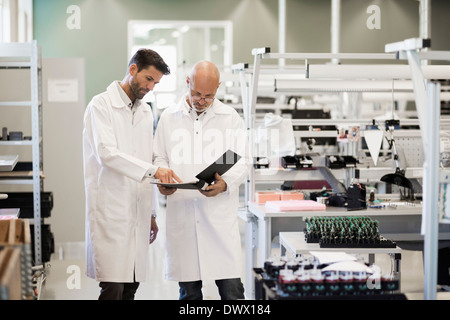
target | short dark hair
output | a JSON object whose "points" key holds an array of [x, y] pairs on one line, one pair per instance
{"points": [[145, 58]]}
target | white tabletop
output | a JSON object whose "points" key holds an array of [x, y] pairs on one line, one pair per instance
{"points": [[295, 243], [401, 209]]}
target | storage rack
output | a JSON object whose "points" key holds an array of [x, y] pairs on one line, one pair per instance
{"points": [[28, 56], [249, 81]]}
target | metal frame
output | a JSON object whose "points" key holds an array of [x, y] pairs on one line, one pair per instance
{"points": [[427, 96], [28, 55]]}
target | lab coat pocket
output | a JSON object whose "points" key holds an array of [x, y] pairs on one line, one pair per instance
{"points": [[113, 203], [220, 210], [178, 212]]}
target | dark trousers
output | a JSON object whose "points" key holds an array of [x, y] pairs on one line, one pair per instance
{"points": [[229, 289], [117, 290]]}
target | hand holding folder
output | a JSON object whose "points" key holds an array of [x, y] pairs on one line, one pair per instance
{"points": [[207, 176]]}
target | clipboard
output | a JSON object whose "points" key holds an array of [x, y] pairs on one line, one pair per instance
{"points": [[207, 176]]}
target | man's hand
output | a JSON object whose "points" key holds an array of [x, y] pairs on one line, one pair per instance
{"points": [[217, 187], [166, 191], [153, 230], [166, 175]]}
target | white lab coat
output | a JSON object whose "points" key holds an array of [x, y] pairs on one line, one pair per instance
{"points": [[202, 235], [117, 147]]}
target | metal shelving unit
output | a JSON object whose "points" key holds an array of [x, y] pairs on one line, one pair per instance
{"points": [[28, 56], [306, 83]]}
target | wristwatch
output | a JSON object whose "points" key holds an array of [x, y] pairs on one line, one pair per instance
{"points": [[154, 215]]}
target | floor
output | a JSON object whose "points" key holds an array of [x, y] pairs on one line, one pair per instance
{"points": [[65, 279]]}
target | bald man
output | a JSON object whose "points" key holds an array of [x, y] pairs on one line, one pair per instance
{"points": [[202, 232]]}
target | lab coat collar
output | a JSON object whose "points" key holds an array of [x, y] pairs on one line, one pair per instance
{"points": [[217, 107], [118, 102]]}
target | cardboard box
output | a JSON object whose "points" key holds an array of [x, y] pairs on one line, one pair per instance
{"points": [[263, 196], [292, 195], [15, 234], [10, 274]]}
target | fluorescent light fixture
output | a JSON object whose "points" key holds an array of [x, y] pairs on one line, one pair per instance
{"points": [[374, 71], [399, 96], [299, 86], [266, 54]]}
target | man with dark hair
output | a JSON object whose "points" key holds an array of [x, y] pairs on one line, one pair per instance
{"points": [[146, 57], [118, 151]]}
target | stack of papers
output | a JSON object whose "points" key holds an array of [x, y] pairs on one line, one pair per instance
{"points": [[327, 257], [340, 261]]}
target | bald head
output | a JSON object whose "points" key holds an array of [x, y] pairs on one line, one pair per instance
{"points": [[203, 82], [205, 71]]}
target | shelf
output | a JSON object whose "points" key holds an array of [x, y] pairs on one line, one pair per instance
{"points": [[15, 65], [16, 181], [19, 178], [19, 175], [17, 103], [18, 142], [294, 174], [295, 242]]}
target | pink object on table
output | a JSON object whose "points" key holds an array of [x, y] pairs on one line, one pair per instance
{"points": [[289, 195], [264, 196], [295, 205]]}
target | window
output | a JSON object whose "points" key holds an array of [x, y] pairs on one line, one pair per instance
{"points": [[4, 21], [181, 44], [16, 20]]}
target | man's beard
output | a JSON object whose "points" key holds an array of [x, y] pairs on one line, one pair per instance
{"points": [[138, 92]]}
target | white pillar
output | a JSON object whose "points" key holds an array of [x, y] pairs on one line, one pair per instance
{"points": [[425, 22], [335, 27], [431, 191], [281, 30]]}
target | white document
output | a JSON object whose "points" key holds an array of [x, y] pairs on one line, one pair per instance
{"points": [[352, 266], [275, 137], [62, 90], [327, 257]]}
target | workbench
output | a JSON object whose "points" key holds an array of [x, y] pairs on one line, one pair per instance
{"points": [[401, 222]]}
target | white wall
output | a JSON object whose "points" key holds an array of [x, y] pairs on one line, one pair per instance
{"points": [[63, 150], [62, 142]]}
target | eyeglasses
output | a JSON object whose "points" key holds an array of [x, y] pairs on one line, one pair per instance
{"points": [[197, 97]]}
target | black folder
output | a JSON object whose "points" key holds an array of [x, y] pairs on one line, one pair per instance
{"points": [[207, 176]]}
